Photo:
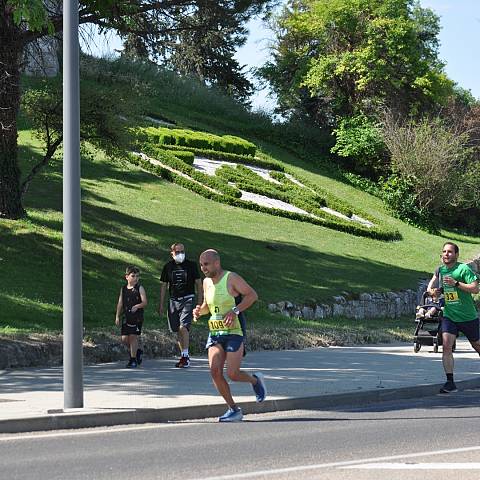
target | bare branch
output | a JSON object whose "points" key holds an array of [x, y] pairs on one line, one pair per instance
{"points": [[51, 149]]}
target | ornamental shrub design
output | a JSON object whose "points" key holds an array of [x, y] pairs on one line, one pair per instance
{"points": [[174, 162], [201, 140]]}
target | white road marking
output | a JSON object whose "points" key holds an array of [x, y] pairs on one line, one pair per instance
{"points": [[90, 431], [416, 466], [318, 466]]}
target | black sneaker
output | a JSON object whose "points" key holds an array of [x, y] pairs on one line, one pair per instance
{"points": [[132, 363], [139, 356], [449, 387]]}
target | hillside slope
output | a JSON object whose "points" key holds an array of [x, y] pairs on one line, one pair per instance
{"points": [[131, 216]]}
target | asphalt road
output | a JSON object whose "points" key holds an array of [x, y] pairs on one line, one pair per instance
{"points": [[434, 437]]}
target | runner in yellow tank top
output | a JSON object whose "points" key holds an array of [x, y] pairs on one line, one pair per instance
{"points": [[226, 295], [220, 302]]}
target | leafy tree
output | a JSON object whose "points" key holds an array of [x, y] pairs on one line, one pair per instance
{"points": [[24, 21], [360, 141], [205, 47], [104, 108], [134, 47], [337, 58]]}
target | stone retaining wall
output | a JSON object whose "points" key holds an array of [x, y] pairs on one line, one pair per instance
{"points": [[364, 305]]}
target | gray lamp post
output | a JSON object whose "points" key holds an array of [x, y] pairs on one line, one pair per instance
{"points": [[72, 252]]}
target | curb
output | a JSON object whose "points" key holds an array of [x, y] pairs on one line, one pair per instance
{"points": [[79, 418]]}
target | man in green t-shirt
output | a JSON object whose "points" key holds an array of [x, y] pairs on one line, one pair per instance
{"points": [[457, 282]]}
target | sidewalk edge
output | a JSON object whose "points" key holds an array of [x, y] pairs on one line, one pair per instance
{"points": [[62, 421]]}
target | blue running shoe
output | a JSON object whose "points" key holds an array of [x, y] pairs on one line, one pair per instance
{"points": [[232, 415], [260, 388]]}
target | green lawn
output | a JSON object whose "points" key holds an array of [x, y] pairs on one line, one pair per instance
{"points": [[130, 216]]}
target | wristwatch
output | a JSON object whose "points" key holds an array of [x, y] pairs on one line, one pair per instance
{"points": [[457, 283], [236, 310]]}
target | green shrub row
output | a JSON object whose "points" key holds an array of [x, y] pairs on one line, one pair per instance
{"points": [[332, 201], [279, 176], [202, 140], [184, 156], [170, 159], [150, 135], [244, 182], [350, 227], [287, 192], [230, 157], [250, 181]]}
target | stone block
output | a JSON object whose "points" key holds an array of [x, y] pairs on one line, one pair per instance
{"points": [[337, 310], [273, 307], [365, 297], [308, 313]]}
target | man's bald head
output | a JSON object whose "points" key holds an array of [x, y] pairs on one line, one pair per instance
{"points": [[210, 254], [210, 263]]}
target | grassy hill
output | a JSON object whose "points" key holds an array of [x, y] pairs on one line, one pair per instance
{"points": [[131, 216]]}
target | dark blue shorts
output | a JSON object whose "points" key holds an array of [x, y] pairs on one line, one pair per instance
{"points": [[229, 343], [470, 329]]}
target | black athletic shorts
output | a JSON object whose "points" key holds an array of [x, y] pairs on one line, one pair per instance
{"points": [[470, 329], [131, 329], [180, 312]]}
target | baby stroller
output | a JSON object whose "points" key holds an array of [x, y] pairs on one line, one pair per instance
{"points": [[428, 321]]}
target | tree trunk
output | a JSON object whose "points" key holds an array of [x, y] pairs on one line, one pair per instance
{"points": [[11, 48]]}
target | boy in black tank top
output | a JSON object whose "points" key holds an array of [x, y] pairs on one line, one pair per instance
{"points": [[131, 302]]}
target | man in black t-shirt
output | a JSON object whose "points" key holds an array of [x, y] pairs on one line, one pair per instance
{"points": [[183, 279]]}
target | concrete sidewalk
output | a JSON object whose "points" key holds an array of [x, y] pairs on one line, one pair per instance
{"points": [[32, 399]]}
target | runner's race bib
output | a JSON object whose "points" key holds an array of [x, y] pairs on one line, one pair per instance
{"points": [[214, 324], [451, 296]]}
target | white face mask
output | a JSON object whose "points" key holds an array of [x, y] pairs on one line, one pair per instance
{"points": [[180, 257]]}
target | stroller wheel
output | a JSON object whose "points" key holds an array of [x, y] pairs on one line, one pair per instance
{"points": [[416, 347]]}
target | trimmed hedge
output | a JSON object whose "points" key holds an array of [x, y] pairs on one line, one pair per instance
{"points": [[249, 184], [229, 157], [250, 181], [332, 201], [172, 161], [187, 157], [288, 191], [202, 140], [309, 197], [377, 232]]}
